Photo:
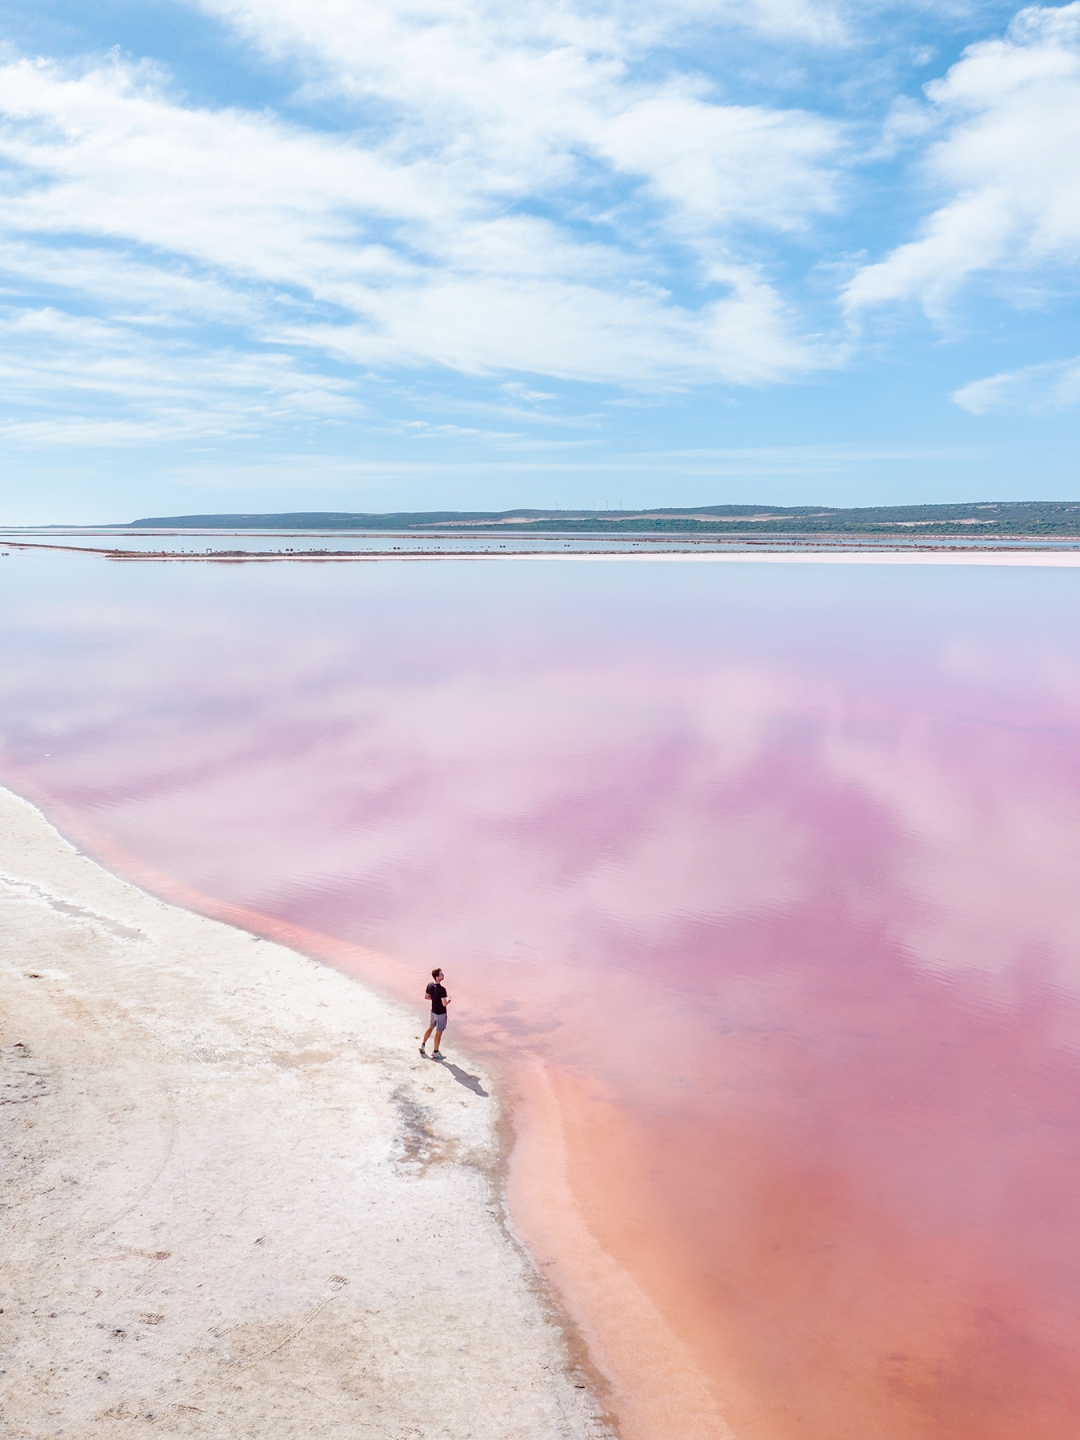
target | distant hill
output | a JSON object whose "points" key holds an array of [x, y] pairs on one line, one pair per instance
{"points": [[1021, 517]]}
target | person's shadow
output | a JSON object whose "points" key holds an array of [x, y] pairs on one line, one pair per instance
{"points": [[471, 1082]]}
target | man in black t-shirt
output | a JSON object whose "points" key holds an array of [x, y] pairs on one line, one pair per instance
{"points": [[439, 999]]}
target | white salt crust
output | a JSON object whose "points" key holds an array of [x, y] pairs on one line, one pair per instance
{"points": [[236, 1200]]}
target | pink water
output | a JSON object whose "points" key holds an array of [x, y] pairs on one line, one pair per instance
{"points": [[773, 871]]}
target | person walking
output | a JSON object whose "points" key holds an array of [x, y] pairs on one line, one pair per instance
{"points": [[439, 999]]}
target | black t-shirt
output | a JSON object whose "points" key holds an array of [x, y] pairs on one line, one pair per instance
{"points": [[436, 993]]}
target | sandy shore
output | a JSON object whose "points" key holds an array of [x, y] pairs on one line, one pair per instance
{"points": [[236, 1200]]}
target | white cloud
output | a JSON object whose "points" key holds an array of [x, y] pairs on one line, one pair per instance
{"points": [[496, 64], [522, 393], [106, 154], [1040, 388], [517, 100], [503, 191], [483, 323], [1008, 164], [719, 165], [61, 371], [399, 243], [140, 289]]}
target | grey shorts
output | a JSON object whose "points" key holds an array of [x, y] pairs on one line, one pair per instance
{"points": [[439, 1021]]}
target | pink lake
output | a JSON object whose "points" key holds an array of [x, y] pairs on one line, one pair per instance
{"points": [[762, 882]]}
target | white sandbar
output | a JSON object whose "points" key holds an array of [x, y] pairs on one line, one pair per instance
{"points": [[1069, 559]]}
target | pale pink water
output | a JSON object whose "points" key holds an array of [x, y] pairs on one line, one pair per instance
{"points": [[776, 871]]}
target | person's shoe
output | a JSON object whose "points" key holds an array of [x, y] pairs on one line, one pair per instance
{"points": [[423, 1052], [436, 1054]]}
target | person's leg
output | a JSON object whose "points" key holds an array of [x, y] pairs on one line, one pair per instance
{"points": [[427, 1032], [438, 1034]]}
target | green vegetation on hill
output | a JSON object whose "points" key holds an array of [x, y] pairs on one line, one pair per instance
{"points": [[1026, 517]]}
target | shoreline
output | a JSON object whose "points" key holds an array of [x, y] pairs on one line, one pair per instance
{"points": [[242, 1203], [802, 553], [622, 1283]]}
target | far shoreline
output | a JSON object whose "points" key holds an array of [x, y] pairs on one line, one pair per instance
{"points": [[1021, 553]]}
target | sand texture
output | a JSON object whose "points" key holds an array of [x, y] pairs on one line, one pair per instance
{"points": [[236, 1201]]}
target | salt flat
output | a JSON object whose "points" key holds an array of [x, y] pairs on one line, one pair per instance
{"points": [[237, 1202]]}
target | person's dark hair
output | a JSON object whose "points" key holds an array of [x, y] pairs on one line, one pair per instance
{"points": [[436, 973]]}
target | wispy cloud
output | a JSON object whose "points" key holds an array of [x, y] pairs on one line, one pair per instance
{"points": [[327, 473], [443, 223], [1039, 388], [1008, 164], [403, 242], [80, 380]]}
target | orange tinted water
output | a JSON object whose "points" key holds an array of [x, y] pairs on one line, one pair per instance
{"points": [[767, 878]]}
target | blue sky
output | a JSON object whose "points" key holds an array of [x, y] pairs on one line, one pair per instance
{"points": [[265, 255]]}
